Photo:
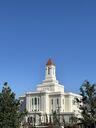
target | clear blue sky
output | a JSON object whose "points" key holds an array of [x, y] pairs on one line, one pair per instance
{"points": [[31, 31]]}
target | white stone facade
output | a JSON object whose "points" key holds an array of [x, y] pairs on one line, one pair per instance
{"points": [[50, 97]]}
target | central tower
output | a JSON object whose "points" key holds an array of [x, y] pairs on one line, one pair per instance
{"points": [[50, 83], [50, 71]]}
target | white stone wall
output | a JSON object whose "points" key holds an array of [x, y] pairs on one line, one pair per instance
{"points": [[71, 105], [28, 102], [49, 90], [68, 104], [62, 103]]}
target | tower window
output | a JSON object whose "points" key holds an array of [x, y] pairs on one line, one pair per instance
{"points": [[48, 70]]}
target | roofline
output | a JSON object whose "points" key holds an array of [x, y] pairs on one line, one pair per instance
{"points": [[72, 94]]}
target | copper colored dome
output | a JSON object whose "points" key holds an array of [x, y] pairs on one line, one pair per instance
{"points": [[50, 62]]}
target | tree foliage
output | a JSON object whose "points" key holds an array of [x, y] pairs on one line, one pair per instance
{"points": [[10, 115], [88, 103], [56, 119]]}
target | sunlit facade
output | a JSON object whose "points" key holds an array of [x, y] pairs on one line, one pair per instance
{"points": [[49, 97]]}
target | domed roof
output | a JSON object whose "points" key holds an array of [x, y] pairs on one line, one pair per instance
{"points": [[50, 62]]}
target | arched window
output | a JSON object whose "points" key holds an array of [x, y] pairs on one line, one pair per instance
{"points": [[29, 119], [48, 70]]}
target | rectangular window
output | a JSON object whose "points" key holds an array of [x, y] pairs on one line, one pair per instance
{"points": [[51, 101], [35, 101], [38, 100], [57, 101], [32, 101]]}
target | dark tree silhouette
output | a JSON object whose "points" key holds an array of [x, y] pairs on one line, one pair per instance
{"points": [[88, 104], [10, 114]]}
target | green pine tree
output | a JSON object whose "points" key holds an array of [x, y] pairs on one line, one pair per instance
{"points": [[56, 120], [10, 115], [88, 104]]}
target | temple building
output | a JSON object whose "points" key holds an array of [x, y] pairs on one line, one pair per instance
{"points": [[49, 97]]}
